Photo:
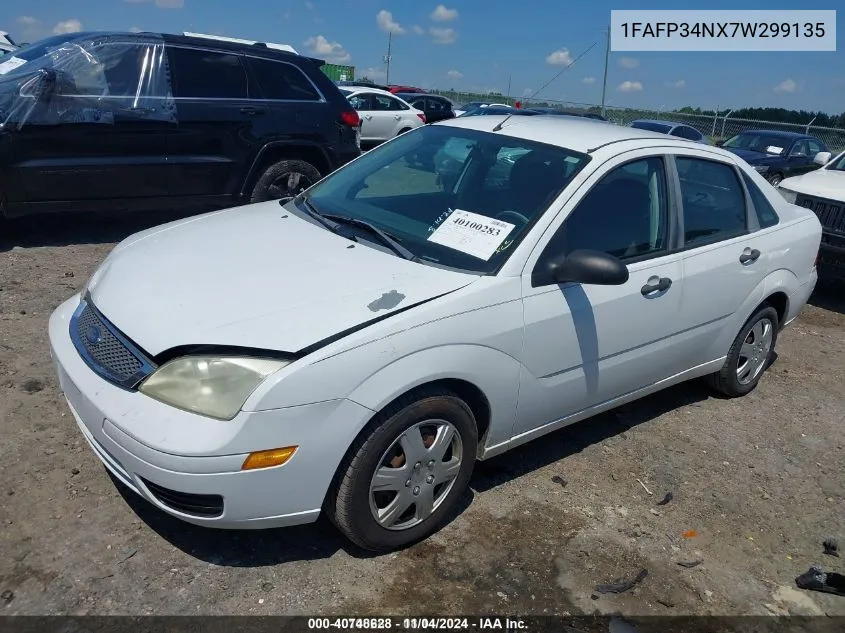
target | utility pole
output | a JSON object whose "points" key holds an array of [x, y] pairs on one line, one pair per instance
{"points": [[508, 95], [604, 84], [387, 57]]}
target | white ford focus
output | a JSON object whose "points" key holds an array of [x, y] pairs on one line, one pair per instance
{"points": [[454, 293]]}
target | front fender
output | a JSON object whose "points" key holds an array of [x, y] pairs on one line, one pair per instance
{"points": [[493, 372]]}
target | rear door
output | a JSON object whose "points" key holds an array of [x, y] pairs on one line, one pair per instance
{"points": [[376, 124], [102, 134], [725, 256], [219, 124]]}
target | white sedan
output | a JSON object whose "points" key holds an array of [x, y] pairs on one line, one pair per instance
{"points": [[383, 115], [355, 350]]}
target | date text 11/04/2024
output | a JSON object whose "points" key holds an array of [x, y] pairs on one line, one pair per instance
{"points": [[418, 624], [723, 29]]}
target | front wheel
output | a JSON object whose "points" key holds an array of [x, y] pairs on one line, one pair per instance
{"points": [[406, 472], [749, 356], [775, 179]]}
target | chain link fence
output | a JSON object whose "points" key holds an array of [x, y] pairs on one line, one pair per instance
{"points": [[716, 127]]}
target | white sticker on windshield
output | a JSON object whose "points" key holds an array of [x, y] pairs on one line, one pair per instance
{"points": [[10, 64], [471, 233], [774, 149]]}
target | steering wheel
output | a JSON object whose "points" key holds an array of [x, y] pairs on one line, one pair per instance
{"points": [[513, 215]]}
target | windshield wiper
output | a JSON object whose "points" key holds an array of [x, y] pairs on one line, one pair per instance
{"points": [[385, 238], [312, 212]]}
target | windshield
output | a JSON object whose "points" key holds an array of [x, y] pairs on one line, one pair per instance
{"points": [[764, 143], [837, 164], [663, 128], [457, 198], [35, 51]]}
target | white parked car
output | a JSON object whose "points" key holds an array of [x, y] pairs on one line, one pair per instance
{"points": [[383, 115], [823, 192], [356, 349]]}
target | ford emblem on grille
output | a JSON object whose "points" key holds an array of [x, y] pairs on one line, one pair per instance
{"points": [[94, 335]]}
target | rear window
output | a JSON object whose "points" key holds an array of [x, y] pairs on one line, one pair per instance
{"points": [[282, 81], [201, 74]]}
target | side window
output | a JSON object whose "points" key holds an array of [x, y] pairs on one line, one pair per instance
{"points": [[766, 214], [200, 74], [815, 147], [713, 199], [279, 80], [362, 101], [418, 103], [799, 149], [625, 214], [125, 64], [688, 133]]}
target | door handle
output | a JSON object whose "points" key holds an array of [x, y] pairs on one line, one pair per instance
{"points": [[368, 116], [251, 111], [749, 256], [397, 117], [656, 284]]}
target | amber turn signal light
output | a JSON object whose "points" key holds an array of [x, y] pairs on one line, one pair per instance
{"points": [[268, 458]]}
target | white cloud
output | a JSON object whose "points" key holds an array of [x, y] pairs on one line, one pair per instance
{"points": [[455, 74], [27, 20], [309, 5], [418, 29], [443, 36], [630, 86], [561, 57], [628, 62], [588, 80], [330, 51], [67, 26], [385, 21], [681, 83], [134, 29], [442, 14], [788, 85]]}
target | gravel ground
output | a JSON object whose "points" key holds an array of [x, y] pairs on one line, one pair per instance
{"points": [[757, 483]]}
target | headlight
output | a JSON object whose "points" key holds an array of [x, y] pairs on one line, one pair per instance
{"points": [[788, 195], [761, 168], [216, 387]]}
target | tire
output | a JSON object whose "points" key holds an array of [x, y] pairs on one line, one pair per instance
{"points": [[403, 130], [352, 505], [775, 179], [285, 178], [730, 381]]}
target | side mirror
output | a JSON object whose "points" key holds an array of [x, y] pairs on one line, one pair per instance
{"points": [[822, 158], [587, 267]]}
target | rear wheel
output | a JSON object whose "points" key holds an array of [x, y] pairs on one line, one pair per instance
{"points": [[406, 472], [749, 356], [284, 179]]}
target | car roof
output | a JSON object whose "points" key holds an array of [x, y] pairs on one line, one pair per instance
{"points": [[777, 133], [575, 133], [257, 49], [378, 91]]}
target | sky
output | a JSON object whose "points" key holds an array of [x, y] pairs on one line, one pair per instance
{"points": [[481, 45]]}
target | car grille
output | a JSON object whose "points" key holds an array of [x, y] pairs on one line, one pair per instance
{"points": [[831, 213], [105, 349], [186, 502]]}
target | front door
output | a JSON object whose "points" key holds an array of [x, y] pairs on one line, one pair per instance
{"points": [[586, 344], [100, 131]]}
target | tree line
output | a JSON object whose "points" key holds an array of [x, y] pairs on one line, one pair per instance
{"points": [[775, 115]]}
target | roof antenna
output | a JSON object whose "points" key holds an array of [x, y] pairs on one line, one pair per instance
{"points": [[545, 85]]}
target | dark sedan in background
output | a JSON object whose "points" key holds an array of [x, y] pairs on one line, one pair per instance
{"points": [[435, 107], [672, 128], [778, 155]]}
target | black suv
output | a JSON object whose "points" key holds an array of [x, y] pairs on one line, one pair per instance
{"points": [[141, 121]]}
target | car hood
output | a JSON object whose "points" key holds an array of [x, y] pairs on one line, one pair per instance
{"points": [[824, 183], [753, 157], [248, 277]]}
